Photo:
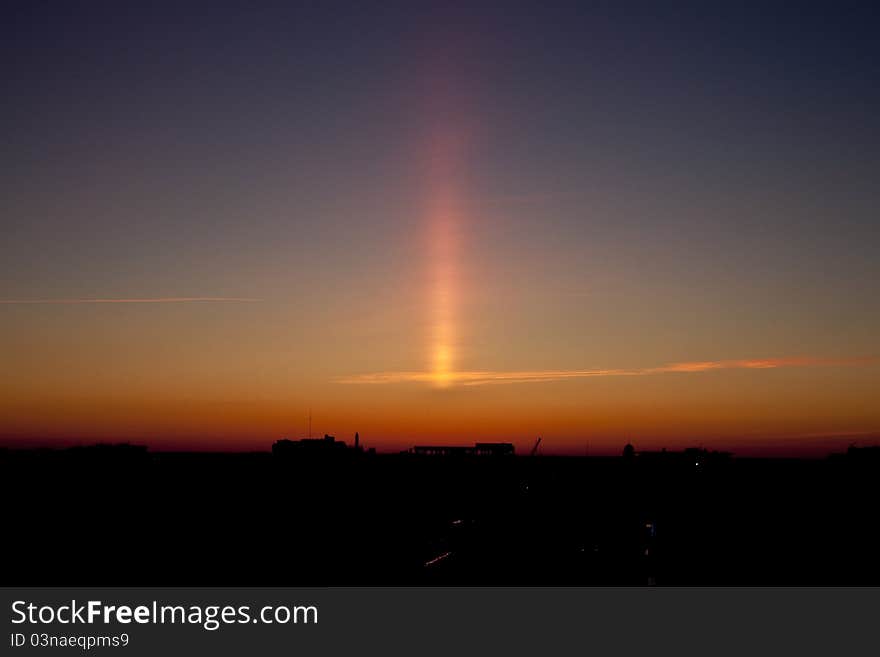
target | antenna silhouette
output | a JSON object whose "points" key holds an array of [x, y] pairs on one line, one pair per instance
{"points": [[310, 422]]}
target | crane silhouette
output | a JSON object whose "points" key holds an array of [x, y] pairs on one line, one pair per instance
{"points": [[535, 448]]}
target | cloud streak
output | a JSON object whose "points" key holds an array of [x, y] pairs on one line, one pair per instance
{"points": [[479, 378], [73, 302]]}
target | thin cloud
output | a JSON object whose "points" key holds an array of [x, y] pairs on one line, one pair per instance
{"points": [[478, 378], [129, 300]]}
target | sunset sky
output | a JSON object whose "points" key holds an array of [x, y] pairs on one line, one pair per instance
{"points": [[637, 221]]}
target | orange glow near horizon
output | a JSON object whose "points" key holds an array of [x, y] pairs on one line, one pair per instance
{"points": [[437, 265]]}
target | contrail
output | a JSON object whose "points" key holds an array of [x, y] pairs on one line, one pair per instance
{"points": [[129, 300], [478, 378]]}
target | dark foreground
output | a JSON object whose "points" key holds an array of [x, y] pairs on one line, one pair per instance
{"points": [[122, 516]]}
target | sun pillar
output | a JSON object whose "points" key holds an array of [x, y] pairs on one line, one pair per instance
{"points": [[444, 222]]}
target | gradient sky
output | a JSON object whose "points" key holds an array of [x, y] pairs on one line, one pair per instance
{"points": [[590, 222]]}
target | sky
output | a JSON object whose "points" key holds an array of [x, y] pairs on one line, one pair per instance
{"points": [[590, 222]]}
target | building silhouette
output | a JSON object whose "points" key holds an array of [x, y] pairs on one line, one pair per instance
{"points": [[478, 449]]}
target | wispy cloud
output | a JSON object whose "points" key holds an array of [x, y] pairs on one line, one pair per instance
{"points": [[478, 378], [129, 300]]}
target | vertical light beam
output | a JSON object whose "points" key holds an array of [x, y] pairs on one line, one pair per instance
{"points": [[444, 221]]}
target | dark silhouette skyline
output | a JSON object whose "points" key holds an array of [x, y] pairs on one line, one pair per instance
{"points": [[321, 512]]}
